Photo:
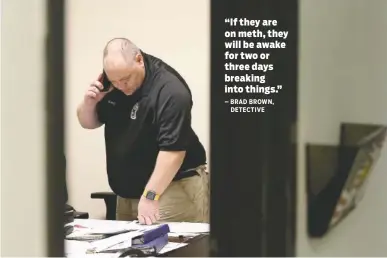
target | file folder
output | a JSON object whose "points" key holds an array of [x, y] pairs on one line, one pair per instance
{"points": [[151, 234], [143, 250]]}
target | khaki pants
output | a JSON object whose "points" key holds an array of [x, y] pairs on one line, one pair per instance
{"points": [[185, 200]]}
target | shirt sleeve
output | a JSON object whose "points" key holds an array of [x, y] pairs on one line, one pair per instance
{"points": [[174, 118], [101, 112]]}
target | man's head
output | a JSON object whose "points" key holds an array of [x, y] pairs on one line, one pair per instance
{"points": [[124, 65]]}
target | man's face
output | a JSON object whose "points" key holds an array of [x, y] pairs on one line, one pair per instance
{"points": [[126, 77]]}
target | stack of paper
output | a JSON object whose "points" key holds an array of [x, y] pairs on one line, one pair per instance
{"points": [[111, 227], [120, 236], [186, 227], [94, 255], [123, 240], [174, 227], [76, 247]]}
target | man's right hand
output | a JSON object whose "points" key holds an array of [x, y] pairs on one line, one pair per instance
{"points": [[93, 94], [86, 111]]}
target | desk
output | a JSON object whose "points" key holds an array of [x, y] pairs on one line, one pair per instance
{"points": [[197, 246]]}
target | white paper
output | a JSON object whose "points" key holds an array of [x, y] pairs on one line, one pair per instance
{"points": [[124, 240], [171, 246], [187, 227], [99, 222], [104, 244], [184, 234], [122, 245], [134, 225], [100, 226], [93, 255], [174, 227], [76, 247]]}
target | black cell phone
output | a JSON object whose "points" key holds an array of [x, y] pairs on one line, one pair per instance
{"points": [[105, 82]]}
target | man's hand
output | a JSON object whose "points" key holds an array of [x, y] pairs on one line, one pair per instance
{"points": [[148, 211], [94, 94], [86, 111], [167, 165]]}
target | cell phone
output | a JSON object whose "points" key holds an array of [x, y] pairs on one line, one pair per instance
{"points": [[105, 82]]}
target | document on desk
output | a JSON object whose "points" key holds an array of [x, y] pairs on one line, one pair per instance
{"points": [[111, 227], [122, 240], [135, 225], [101, 227], [187, 227], [75, 247], [175, 227], [172, 246], [79, 249], [184, 234], [94, 255]]}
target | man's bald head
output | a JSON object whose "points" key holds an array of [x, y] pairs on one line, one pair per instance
{"points": [[120, 50], [124, 65]]}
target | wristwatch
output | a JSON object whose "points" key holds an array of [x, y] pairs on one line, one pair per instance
{"points": [[151, 195]]}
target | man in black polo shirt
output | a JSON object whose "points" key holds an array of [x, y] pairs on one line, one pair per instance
{"points": [[155, 161]]}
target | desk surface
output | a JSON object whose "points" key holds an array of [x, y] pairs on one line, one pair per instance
{"points": [[197, 247]]}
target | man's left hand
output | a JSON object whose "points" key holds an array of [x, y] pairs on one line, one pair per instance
{"points": [[148, 211]]}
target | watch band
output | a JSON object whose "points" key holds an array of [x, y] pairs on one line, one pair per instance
{"points": [[151, 195]]}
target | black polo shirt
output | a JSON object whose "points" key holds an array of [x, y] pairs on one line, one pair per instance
{"points": [[157, 117]]}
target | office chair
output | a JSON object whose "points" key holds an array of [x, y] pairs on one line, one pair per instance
{"points": [[110, 199]]}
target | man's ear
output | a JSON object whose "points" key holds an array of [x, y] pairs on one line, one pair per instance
{"points": [[139, 59]]}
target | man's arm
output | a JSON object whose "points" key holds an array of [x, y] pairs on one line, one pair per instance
{"points": [[167, 165], [174, 124], [87, 112], [87, 116]]}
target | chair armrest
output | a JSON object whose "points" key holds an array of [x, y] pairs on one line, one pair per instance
{"points": [[81, 215], [110, 199], [102, 195]]}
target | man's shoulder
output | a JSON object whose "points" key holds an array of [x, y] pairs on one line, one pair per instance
{"points": [[172, 87], [165, 74], [170, 83]]}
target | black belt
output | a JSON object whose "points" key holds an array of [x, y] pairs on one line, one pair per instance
{"points": [[186, 174]]}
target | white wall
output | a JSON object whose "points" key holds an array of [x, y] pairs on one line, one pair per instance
{"points": [[343, 78], [23, 183], [174, 30]]}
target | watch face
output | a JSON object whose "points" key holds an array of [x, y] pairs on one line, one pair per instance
{"points": [[150, 195]]}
